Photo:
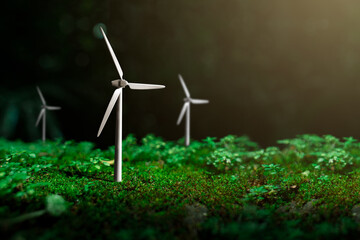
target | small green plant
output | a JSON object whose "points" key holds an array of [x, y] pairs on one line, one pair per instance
{"points": [[272, 169], [93, 165], [335, 160], [223, 160], [259, 193], [56, 205], [267, 155]]}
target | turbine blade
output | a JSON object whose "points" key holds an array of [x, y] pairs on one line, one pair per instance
{"points": [[117, 64], [112, 102], [39, 117], [142, 86], [41, 96], [182, 113], [53, 107], [198, 101], [184, 86]]}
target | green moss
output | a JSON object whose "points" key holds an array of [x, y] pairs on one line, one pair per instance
{"points": [[222, 188]]}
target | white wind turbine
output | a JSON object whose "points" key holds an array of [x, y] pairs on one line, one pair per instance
{"points": [[117, 96], [42, 113], [186, 108]]}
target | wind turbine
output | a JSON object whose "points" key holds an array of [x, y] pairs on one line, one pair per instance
{"points": [[42, 113], [186, 108], [117, 96]]}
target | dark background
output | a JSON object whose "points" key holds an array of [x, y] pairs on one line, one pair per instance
{"points": [[271, 69]]}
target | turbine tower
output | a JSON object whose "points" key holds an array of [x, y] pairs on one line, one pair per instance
{"points": [[117, 97], [186, 108], [42, 113]]}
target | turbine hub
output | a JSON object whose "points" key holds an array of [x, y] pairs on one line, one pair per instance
{"points": [[186, 99], [119, 83]]}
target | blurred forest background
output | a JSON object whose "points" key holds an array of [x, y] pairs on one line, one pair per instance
{"points": [[271, 69]]}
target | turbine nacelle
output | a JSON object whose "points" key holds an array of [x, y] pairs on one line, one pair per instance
{"points": [[119, 83]]}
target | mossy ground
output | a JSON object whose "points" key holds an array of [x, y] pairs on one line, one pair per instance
{"points": [[305, 188]]}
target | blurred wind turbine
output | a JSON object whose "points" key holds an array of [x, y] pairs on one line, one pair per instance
{"points": [[42, 113], [117, 96], [186, 108]]}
